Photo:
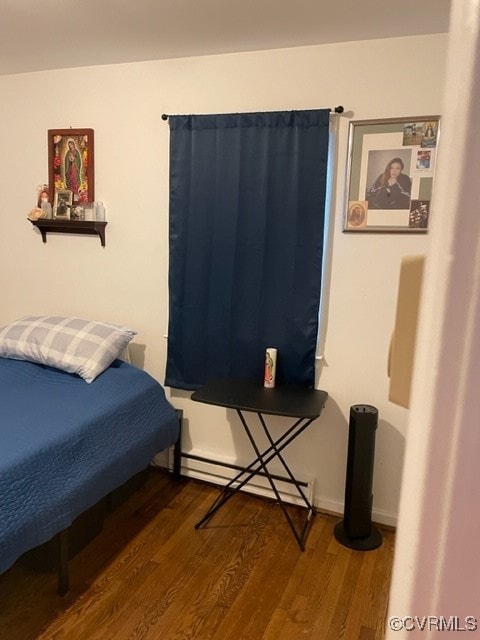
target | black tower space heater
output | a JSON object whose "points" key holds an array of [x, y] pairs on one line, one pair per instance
{"points": [[356, 530]]}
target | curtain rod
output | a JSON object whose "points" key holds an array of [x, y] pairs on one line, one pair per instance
{"points": [[337, 110]]}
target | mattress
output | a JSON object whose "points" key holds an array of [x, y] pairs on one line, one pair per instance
{"points": [[65, 444]]}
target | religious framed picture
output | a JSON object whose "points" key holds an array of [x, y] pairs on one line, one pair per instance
{"points": [[390, 176], [71, 163], [62, 204]]}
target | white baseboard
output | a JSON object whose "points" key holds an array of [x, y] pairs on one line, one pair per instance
{"points": [[219, 475], [337, 508]]}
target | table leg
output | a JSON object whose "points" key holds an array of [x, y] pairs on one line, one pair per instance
{"points": [[298, 538], [261, 461], [229, 490], [285, 466]]}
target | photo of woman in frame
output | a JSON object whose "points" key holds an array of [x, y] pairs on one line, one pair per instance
{"points": [[392, 188]]}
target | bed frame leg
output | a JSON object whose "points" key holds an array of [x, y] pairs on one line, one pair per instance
{"points": [[177, 451], [62, 563]]}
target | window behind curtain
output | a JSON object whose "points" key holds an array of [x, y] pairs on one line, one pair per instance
{"points": [[247, 206]]}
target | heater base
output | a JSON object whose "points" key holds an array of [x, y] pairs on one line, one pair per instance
{"points": [[372, 541]]}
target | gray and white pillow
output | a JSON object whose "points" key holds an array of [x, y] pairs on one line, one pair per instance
{"points": [[74, 345]]}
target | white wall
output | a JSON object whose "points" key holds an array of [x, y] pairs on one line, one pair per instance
{"points": [[437, 554], [127, 280]]}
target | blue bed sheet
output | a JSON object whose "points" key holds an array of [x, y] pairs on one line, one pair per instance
{"points": [[65, 444]]}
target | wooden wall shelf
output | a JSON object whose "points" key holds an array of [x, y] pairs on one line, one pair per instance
{"points": [[47, 225]]}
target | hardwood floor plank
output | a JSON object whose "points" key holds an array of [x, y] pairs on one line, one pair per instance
{"points": [[312, 579], [150, 575], [357, 615], [250, 613], [120, 574], [199, 582], [304, 597]]}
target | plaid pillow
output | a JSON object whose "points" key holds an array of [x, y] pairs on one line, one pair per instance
{"points": [[71, 344]]}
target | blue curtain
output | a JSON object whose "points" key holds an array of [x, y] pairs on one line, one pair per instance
{"points": [[247, 206]]}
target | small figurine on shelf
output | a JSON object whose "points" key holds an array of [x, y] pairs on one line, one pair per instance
{"points": [[77, 213], [43, 202], [42, 194], [36, 214]]}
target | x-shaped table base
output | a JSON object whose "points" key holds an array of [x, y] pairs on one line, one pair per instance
{"points": [[261, 462], [290, 401]]}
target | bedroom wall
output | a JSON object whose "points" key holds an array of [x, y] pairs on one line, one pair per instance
{"points": [[126, 282]]}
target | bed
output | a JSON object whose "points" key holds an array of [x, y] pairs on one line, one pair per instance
{"points": [[65, 444]]}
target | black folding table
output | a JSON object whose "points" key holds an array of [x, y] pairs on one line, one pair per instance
{"points": [[247, 396]]}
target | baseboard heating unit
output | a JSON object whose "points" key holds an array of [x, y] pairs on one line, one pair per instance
{"points": [[219, 472]]}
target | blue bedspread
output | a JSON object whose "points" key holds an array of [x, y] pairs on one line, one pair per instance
{"points": [[65, 444]]}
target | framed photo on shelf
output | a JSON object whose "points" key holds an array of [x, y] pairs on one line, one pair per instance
{"points": [[43, 194], [71, 163], [391, 170], [62, 204]]}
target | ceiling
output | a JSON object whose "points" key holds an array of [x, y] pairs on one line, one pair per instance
{"points": [[38, 35]]}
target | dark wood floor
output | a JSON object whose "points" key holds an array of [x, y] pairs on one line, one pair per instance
{"points": [[151, 575]]}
